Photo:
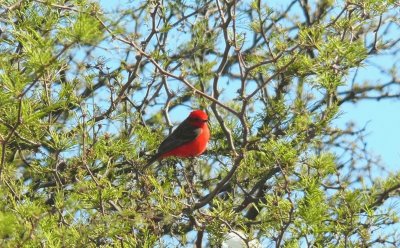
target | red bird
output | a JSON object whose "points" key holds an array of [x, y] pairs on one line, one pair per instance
{"points": [[189, 139]]}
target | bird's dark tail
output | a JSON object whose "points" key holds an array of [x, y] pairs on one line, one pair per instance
{"points": [[151, 161]]}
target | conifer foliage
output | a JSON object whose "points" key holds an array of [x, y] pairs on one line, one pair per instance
{"points": [[88, 89]]}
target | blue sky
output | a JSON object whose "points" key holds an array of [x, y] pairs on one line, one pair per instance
{"points": [[383, 127]]}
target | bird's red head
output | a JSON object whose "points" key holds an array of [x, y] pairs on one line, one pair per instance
{"points": [[198, 118]]}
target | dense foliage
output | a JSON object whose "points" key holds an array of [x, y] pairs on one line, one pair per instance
{"points": [[88, 91]]}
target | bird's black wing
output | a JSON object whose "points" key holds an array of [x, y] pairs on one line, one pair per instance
{"points": [[183, 134]]}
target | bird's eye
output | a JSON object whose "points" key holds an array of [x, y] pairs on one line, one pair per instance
{"points": [[198, 119]]}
